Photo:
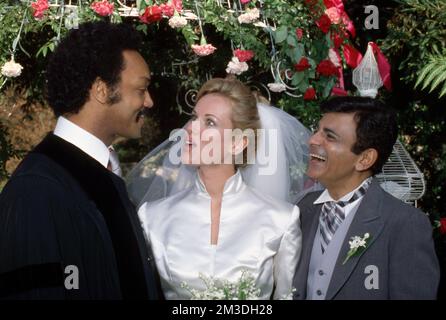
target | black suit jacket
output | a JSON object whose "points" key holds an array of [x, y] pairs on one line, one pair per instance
{"points": [[401, 248], [63, 208]]}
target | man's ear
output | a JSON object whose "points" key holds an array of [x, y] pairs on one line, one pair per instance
{"points": [[367, 159], [99, 91]]}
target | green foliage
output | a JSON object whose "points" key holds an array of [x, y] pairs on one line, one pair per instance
{"points": [[416, 31], [434, 74]]}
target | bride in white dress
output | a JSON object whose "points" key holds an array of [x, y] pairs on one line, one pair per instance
{"points": [[214, 222]]}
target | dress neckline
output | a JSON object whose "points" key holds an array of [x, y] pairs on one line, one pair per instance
{"points": [[232, 186]]}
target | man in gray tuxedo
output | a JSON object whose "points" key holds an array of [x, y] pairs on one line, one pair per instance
{"points": [[359, 242]]}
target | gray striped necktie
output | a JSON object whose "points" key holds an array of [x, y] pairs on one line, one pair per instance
{"points": [[332, 215]]}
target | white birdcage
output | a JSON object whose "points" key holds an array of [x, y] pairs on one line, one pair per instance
{"points": [[366, 75], [400, 175]]}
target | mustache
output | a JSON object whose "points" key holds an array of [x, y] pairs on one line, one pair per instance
{"points": [[144, 112]]}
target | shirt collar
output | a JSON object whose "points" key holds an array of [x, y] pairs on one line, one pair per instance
{"points": [[325, 196], [232, 186], [82, 139]]}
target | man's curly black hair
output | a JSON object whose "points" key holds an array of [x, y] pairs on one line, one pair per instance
{"points": [[85, 54], [376, 125]]}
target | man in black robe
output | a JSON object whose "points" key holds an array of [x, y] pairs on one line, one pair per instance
{"points": [[67, 227]]}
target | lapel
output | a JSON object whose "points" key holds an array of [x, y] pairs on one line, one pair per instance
{"points": [[93, 178], [367, 219], [310, 222]]}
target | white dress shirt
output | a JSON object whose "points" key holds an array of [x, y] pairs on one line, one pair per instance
{"points": [[258, 234], [325, 197], [82, 139]]}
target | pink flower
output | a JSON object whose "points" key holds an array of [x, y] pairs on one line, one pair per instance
{"points": [[152, 14], [310, 94], [243, 55], [236, 67], [334, 57], [244, 1], [39, 7], [334, 14], [103, 8], [178, 5], [299, 33], [167, 9], [203, 50]]}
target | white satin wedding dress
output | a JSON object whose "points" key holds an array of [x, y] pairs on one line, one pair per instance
{"points": [[257, 234]]}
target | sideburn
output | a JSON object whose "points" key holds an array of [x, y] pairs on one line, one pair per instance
{"points": [[114, 96]]}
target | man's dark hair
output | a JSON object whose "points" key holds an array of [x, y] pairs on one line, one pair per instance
{"points": [[92, 51], [376, 125]]}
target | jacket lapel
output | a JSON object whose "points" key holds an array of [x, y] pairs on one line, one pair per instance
{"points": [[367, 220]]}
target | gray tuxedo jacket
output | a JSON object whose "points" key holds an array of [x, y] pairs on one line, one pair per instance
{"points": [[400, 255]]}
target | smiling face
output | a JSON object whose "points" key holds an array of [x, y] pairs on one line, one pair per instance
{"points": [[205, 143], [332, 161], [126, 116]]}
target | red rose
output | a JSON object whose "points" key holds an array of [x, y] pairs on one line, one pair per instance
{"points": [[327, 68], [302, 64], [152, 14], [324, 23], [243, 55], [310, 94], [443, 225], [167, 9], [299, 33]]}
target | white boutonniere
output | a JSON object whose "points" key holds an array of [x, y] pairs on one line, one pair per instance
{"points": [[357, 246]]}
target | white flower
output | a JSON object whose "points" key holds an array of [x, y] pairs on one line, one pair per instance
{"points": [[276, 87], [249, 16], [190, 16], [11, 68], [263, 25], [334, 57], [218, 289], [357, 245], [177, 22], [236, 67]]}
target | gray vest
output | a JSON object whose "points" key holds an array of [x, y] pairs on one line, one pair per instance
{"points": [[322, 265]]}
